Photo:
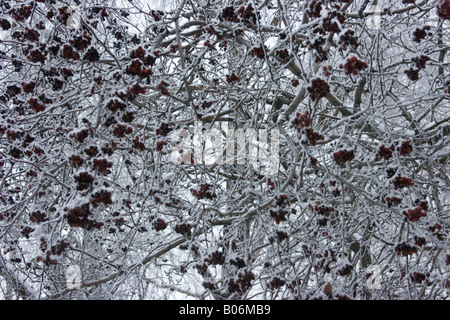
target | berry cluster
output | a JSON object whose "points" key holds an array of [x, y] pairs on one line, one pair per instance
{"points": [[342, 156], [162, 87], [35, 105], [417, 277], [92, 151], [348, 39], [136, 68], [302, 120], [282, 54], [319, 88], [79, 217], [102, 196], [242, 284], [314, 9], [102, 166], [209, 286], [346, 270], [204, 192], [38, 216], [405, 249], [435, 229], [420, 34], [36, 56], [420, 241], [216, 258], [55, 250], [278, 215], [405, 148], [259, 52], [137, 144], [5, 24], [354, 65], [322, 210], [415, 214], [312, 137], [184, 229], [233, 77], [392, 201], [229, 14], [385, 152], [115, 104], [120, 130], [159, 224], [247, 14], [320, 53], [69, 53], [91, 55], [160, 145], [238, 263], [420, 62], [163, 130], [443, 9], [84, 180], [22, 13], [276, 283], [325, 260], [402, 182]]}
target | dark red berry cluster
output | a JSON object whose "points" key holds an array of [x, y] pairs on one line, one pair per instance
{"points": [[36, 56], [443, 9], [69, 53], [418, 277], [215, 258], [354, 65], [79, 217], [159, 224], [229, 14], [259, 52], [160, 145], [319, 88], [232, 78], [238, 263], [137, 144], [163, 130], [55, 250], [314, 9], [420, 63], [385, 152], [136, 68], [205, 192], [162, 87], [392, 201], [248, 14], [184, 229], [120, 130], [405, 249], [402, 182], [278, 215], [435, 229], [242, 284], [345, 270], [405, 148], [21, 13], [209, 286], [35, 105], [282, 54], [313, 161], [102, 196], [342, 156], [302, 120], [420, 34], [415, 214], [312, 137], [5, 24], [420, 241], [325, 260], [348, 39], [276, 283], [320, 52], [38, 216], [84, 180], [102, 166]]}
